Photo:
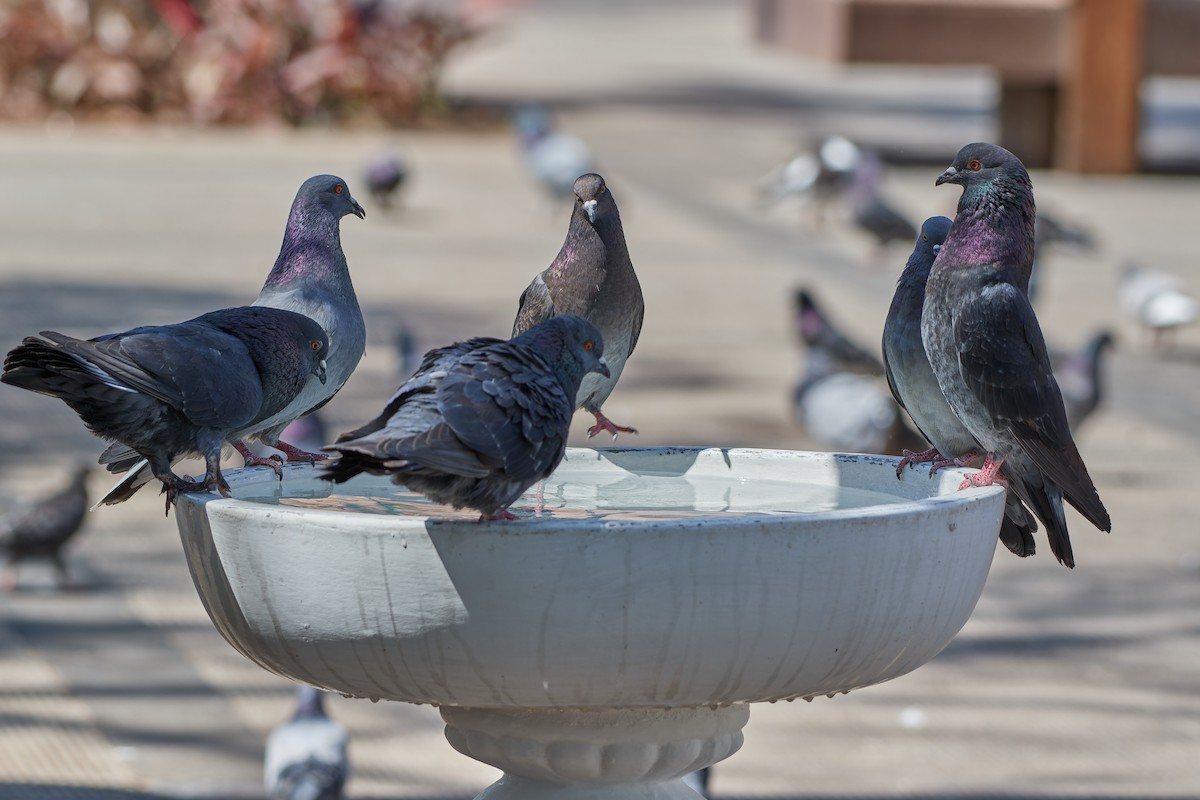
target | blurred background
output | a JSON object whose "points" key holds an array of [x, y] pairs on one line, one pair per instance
{"points": [[771, 160]]}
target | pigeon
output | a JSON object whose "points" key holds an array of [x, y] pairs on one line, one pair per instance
{"points": [[987, 351], [819, 334], [554, 159], [915, 388], [871, 212], [823, 175], [480, 421], [43, 528], [306, 756], [170, 391], [593, 277], [386, 175], [310, 277], [1079, 377], [1157, 301], [1048, 234]]}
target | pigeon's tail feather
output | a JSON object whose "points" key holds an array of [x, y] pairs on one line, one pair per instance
{"points": [[1018, 527], [139, 475], [1045, 500]]}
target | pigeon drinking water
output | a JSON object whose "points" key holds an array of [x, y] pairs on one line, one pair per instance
{"points": [[166, 392], [480, 421], [986, 348], [593, 277]]}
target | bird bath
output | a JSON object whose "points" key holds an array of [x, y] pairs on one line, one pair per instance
{"points": [[613, 645]]}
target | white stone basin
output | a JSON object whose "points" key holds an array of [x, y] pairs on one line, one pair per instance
{"points": [[657, 579]]}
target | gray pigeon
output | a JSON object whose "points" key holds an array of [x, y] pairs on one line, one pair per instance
{"points": [[306, 756], [42, 529], [820, 334], [916, 389], [1049, 233], [170, 391], [554, 159], [870, 210], [1156, 301], [593, 277], [310, 277], [823, 175], [1079, 376], [386, 176], [986, 348], [480, 421]]}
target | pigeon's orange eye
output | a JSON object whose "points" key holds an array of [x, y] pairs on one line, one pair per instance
{"points": [[603, 189], [316, 345], [924, 238], [974, 165], [338, 189], [588, 345], [580, 199]]}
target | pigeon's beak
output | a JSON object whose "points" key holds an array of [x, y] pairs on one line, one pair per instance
{"points": [[946, 177], [321, 372], [602, 365], [358, 210], [589, 208]]}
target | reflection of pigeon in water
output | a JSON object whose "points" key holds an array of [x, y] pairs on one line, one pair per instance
{"points": [[1157, 301], [306, 756], [386, 175], [554, 159], [170, 391], [481, 421], [840, 401], [1079, 375], [986, 348], [42, 529]]}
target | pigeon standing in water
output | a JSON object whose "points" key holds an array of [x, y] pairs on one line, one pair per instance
{"points": [[1156, 301], [42, 529], [386, 175], [986, 348], [306, 756], [170, 391], [480, 421], [310, 277], [593, 277], [916, 389]]}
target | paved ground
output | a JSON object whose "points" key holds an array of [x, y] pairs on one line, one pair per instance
{"points": [[1063, 684]]}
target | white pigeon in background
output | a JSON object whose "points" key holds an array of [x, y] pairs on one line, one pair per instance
{"points": [[1156, 301], [306, 756]]}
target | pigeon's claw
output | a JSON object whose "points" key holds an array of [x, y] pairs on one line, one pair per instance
{"points": [[988, 475], [296, 454], [503, 515], [962, 461], [606, 425], [912, 457], [274, 462]]}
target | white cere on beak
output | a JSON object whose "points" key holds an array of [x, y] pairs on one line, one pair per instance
{"points": [[589, 208], [937, 248]]}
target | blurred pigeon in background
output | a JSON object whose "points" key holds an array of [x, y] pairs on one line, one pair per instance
{"points": [[986, 347], [840, 401], [405, 343], [482, 420], [915, 387], [1156, 301], [1050, 233], [170, 391], [593, 277], [553, 159], [42, 528], [870, 210], [821, 176], [1080, 377], [310, 277], [385, 177], [306, 756]]}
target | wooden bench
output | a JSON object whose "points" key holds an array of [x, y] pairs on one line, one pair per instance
{"points": [[1069, 70]]}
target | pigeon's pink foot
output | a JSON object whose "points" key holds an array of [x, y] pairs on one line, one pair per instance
{"points": [[503, 515], [540, 504], [296, 454], [606, 425], [962, 461], [911, 457], [274, 462], [988, 474]]}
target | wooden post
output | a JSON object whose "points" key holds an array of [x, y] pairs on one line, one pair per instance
{"points": [[1100, 106]]}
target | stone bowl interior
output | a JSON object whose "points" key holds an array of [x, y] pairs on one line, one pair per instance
{"points": [[663, 577]]}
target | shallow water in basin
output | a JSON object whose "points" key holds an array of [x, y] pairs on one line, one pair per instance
{"points": [[625, 496]]}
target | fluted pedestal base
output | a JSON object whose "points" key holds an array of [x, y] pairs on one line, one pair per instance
{"points": [[595, 753]]}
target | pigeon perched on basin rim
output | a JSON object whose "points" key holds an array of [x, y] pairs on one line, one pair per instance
{"points": [[310, 277], [987, 351], [591, 276], [480, 421]]}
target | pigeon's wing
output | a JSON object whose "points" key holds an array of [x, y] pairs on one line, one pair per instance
{"points": [[535, 306], [508, 408], [1004, 362], [636, 331]]}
